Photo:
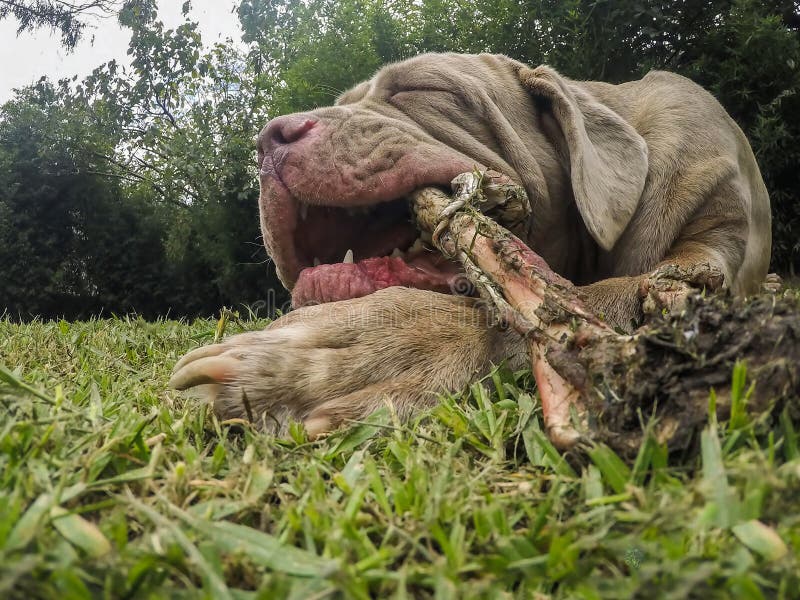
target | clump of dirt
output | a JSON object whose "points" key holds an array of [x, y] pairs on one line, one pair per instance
{"points": [[669, 367]]}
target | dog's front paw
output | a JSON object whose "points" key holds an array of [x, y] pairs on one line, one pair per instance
{"points": [[669, 287], [265, 377], [328, 364]]}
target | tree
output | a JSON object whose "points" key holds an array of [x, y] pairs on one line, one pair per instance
{"points": [[71, 242], [188, 118], [67, 17], [156, 162]]}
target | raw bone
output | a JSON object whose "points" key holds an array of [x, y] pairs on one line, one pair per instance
{"points": [[538, 303], [598, 385]]}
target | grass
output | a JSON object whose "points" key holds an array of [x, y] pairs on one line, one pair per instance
{"points": [[114, 487]]}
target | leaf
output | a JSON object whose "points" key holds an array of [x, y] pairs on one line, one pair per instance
{"points": [[739, 417], [761, 539], [541, 451], [26, 527], [79, 532], [360, 433], [352, 471], [722, 506], [644, 458], [260, 547], [214, 582], [259, 482], [592, 483], [615, 472], [11, 379], [95, 412]]}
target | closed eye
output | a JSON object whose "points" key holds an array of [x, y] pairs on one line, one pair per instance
{"points": [[420, 89], [395, 98]]}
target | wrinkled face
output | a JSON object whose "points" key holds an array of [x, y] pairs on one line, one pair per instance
{"points": [[335, 181]]}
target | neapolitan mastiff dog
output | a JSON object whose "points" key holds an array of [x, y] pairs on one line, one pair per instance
{"points": [[622, 179]]}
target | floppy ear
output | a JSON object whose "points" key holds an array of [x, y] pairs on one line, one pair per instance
{"points": [[607, 157]]}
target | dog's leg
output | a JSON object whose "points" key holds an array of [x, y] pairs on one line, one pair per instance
{"points": [[328, 364], [707, 254], [622, 302]]}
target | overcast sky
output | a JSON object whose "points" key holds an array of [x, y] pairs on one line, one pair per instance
{"points": [[26, 58]]}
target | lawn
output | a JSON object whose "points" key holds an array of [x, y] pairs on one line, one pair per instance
{"points": [[115, 487]]}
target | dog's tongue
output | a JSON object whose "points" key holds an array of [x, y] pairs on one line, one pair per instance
{"points": [[342, 281]]}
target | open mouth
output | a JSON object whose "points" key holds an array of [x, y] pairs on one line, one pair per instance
{"points": [[345, 253]]}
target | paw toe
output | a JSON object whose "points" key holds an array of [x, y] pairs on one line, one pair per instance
{"points": [[208, 369], [198, 353], [773, 283], [317, 426], [670, 286]]}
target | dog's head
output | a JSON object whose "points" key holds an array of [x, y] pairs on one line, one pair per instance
{"points": [[335, 181]]}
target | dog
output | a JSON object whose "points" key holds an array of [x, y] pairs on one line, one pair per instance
{"points": [[623, 180]]}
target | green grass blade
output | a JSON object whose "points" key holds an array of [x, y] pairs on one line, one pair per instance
{"points": [[11, 379], [615, 472], [761, 539], [722, 506], [25, 529], [216, 585], [79, 532], [260, 547]]}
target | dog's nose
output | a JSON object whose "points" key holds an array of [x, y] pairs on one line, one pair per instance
{"points": [[286, 130]]}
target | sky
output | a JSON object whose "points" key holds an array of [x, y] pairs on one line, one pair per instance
{"points": [[24, 59]]}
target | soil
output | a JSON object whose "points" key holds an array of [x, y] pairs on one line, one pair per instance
{"points": [[668, 369]]}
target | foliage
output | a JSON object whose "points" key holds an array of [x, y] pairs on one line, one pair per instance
{"points": [[169, 139], [112, 487], [65, 231], [752, 64], [152, 170], [67, 17], [187, 120]]}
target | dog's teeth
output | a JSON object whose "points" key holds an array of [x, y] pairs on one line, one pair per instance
{"points": [[417, 246], [317, 262], [303, 211], [396, 253], [348, 258]]}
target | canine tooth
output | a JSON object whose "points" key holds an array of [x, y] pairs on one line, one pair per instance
{"points": [[317, 262], [417, 246], [303, 211], [348, 257], [396, 253]]}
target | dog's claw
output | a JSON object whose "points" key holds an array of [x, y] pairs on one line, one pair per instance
{"points": [[773, 283], [198, 353], [203, 368], [317, 426]]}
